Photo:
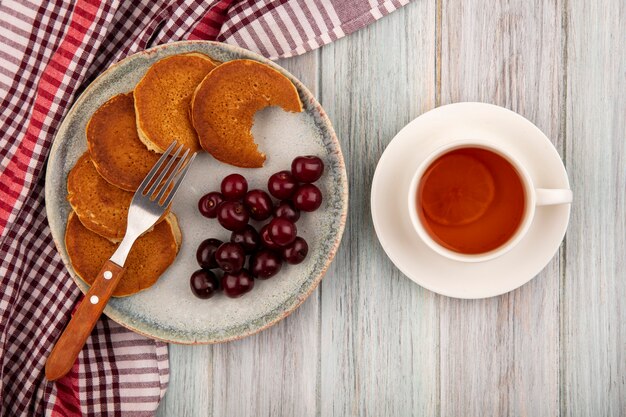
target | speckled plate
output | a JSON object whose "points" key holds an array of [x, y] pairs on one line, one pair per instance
{"points": [[168, 310]]}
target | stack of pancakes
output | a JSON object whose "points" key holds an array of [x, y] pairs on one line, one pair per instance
{"points": [[190, 98], [100, 188]]}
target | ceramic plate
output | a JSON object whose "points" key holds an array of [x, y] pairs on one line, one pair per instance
{"points": [[391, 183], [168, 310]]}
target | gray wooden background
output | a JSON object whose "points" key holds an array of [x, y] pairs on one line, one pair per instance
{"points": [[370, 342]]}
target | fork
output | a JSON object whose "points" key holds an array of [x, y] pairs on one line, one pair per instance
{"points": [[147, 206]]}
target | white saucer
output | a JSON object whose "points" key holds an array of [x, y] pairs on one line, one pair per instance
{"points": [[390, 187]]}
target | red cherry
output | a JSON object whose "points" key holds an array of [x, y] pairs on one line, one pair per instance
{"points": [[230, 257], [282, 231], [266, 240], [265, 264], [286, 210], [232, 215], [237, 284], [208, 204], [282, 185], [204, 284], [248, 238], [234, 187], [307, 197], [259, 204], [205, 255], [307, 168], [295, 252]]}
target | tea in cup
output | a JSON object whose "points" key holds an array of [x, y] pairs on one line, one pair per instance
{"points": [[471, 201]]}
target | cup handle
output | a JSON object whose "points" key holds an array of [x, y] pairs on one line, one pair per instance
{"points": [[549, 197]]}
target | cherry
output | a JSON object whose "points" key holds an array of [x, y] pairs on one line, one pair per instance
{"points": [[237, 284], [259, 204], [230, 257], [282, 231], [282, 185], [295, 252], [206, 253], [248, 238], [234, 187], [232, 215], [307, 197], [286, 210], [208, 204], [266, 240], [204, 284], [307, 168], [265, 264]]}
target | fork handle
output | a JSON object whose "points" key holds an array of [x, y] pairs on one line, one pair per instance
{"points": [[79, 328]]}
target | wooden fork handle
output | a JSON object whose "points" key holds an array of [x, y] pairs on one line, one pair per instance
{"points": [[79, 328]]}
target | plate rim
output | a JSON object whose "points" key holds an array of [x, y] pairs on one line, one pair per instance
{"points": [[343, 179], [376, 183]]}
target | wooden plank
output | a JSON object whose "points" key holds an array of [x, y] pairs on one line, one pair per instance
{"points": [[593, 318], [379, 329], [273, 373], [191, 382], [500, 356]]}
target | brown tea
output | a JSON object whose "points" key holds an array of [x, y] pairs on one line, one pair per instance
{"points": [[471, 200]]}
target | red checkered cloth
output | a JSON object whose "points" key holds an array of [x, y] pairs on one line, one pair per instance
{"points": [[50, 50]]}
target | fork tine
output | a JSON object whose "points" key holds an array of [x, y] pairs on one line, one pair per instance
{"points": [[170, 178], [179, 181], [164, 171], [155, 168]]}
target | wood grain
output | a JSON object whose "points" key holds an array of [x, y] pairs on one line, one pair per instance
{"points": [[593, 316], [191, 382], [379, 330], [500, 356]]}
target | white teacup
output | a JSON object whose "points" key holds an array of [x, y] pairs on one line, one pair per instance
{"points": [[534, 197]]}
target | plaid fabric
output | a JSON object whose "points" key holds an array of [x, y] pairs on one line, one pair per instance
{"points": [[49, 51]]}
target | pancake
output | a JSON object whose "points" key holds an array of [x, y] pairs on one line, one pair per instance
{"points": [[118, 154], [224, 105], [162, 99], [149, 257], [100, 206]]}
